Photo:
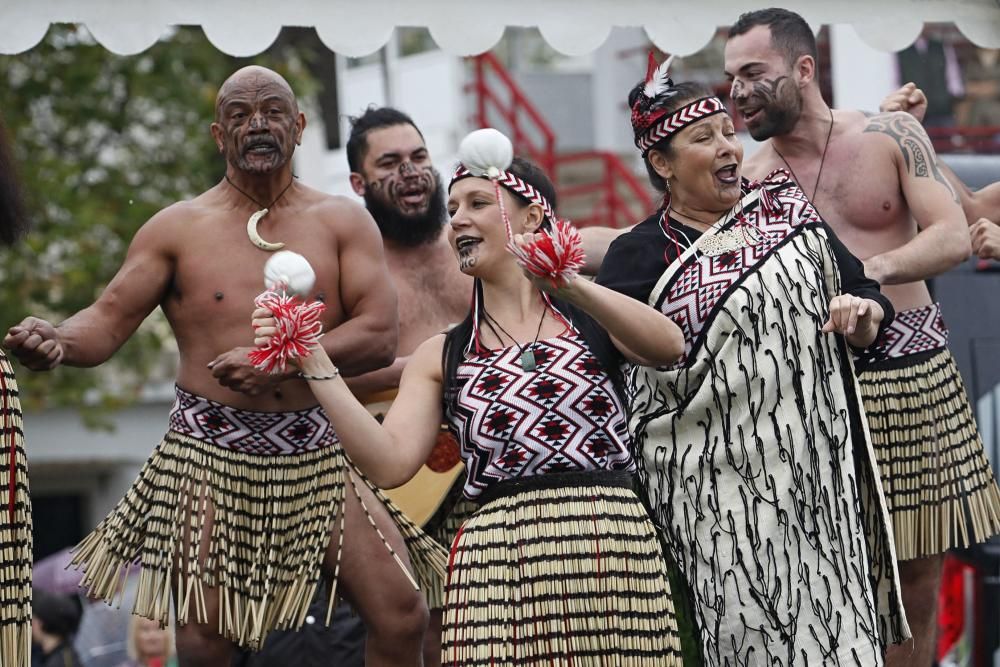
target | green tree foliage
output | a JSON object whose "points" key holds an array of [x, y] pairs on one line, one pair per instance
{"points": [[102, 143]]}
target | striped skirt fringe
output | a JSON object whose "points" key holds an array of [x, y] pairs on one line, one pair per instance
{"points": [[571, 575], [15, 529], [938, 485], [254, 526]]}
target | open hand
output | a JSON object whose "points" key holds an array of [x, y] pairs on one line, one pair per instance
{"points": [[35, 343]]}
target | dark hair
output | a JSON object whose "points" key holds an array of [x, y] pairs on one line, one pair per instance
{"points": [[374, 118], [13, 221], [790, 33], [674, 99], [58, 614], [594, 335], [530, 172]]}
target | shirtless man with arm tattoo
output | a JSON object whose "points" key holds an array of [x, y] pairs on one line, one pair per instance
{"points": [[877, 182]]}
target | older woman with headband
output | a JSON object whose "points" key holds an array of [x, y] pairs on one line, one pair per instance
{"points": [[754, 448], [561, 561]]}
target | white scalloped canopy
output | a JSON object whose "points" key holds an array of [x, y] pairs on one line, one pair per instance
{"points": [[467, 27]]}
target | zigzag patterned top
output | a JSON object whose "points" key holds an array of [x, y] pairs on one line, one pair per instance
{"points": [[913, 331], [691, 296], [563, 416], [671, 123], [249, 431]]}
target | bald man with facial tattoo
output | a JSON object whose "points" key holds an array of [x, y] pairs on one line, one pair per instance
{"points": [[249, 500]]}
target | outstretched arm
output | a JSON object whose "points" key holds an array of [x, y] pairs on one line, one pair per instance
{"points": [[943, 241], [389, 453], [641, 333], [92, 335]]}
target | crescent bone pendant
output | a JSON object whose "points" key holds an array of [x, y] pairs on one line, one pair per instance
{"points": [[255, 237]]}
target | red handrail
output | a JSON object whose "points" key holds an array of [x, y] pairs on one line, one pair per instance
{"points": [[975, 139], [488, 64], [613, 209], [519, 115]]}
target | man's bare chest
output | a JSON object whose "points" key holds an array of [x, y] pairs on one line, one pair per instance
{"points": [[432, 294], [853, 188]]}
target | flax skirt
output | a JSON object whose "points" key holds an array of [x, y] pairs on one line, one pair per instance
{"points": [[938, 484], [15, 529], [572, 574], [270, 524]]}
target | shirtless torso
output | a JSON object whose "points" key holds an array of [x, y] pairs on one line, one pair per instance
{"points": [[877, 181], [393, 171], [206, 293], [194, 259], [860, 191], [433, 292]]}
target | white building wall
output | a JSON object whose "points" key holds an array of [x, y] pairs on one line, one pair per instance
{"points": [[862, 76], [66, 457]]}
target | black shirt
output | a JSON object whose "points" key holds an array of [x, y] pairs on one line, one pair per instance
{"points": [[636, 260]]}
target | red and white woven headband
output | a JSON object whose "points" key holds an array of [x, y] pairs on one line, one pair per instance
{"points": [[678, 120], [515, 185]]}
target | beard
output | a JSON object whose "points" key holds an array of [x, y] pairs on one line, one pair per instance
{"points": [[780, 110], [409, 229]]}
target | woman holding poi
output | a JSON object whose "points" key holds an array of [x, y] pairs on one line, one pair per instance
{"points": [[560, 562], [754, 446]]}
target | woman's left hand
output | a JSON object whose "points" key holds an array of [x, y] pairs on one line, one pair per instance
{"points": [[855, 318], [525, 240]]}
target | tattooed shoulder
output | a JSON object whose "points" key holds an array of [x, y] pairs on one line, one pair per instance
{"points": [[914, 144]]}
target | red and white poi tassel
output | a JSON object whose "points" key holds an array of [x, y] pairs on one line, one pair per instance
{"points": [[557, 256], [298, 330]]}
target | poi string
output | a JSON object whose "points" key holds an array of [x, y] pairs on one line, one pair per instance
{"points": [[557, 257]]}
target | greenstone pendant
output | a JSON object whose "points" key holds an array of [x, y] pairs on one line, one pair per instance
{"points": [[528, 359]]}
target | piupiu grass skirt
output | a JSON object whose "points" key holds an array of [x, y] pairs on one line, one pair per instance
{"points": [[562, 569], [15, 529], [938, 484], [272, 517]]}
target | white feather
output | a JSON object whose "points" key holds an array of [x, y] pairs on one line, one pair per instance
{"points": [[486, 152], [658, 83], [291, 270]]}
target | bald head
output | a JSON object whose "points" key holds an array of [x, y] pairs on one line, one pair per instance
{"points": [[254, 81], [257, 120]]}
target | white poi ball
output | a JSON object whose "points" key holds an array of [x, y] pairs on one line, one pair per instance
{"points": [[291, 270], [486, 152]]}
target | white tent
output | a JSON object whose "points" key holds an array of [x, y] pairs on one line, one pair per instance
{"points": [[466, 27]]}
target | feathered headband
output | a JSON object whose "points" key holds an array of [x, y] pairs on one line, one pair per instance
{"points": [[651, 122]]}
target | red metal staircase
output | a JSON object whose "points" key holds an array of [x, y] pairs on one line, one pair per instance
{"points": [[596, 186]]}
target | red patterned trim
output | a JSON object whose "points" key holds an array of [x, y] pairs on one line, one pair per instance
{"points": [[515, 185], [913, 331], [678, 120], [250, 431], [693, 293]]}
